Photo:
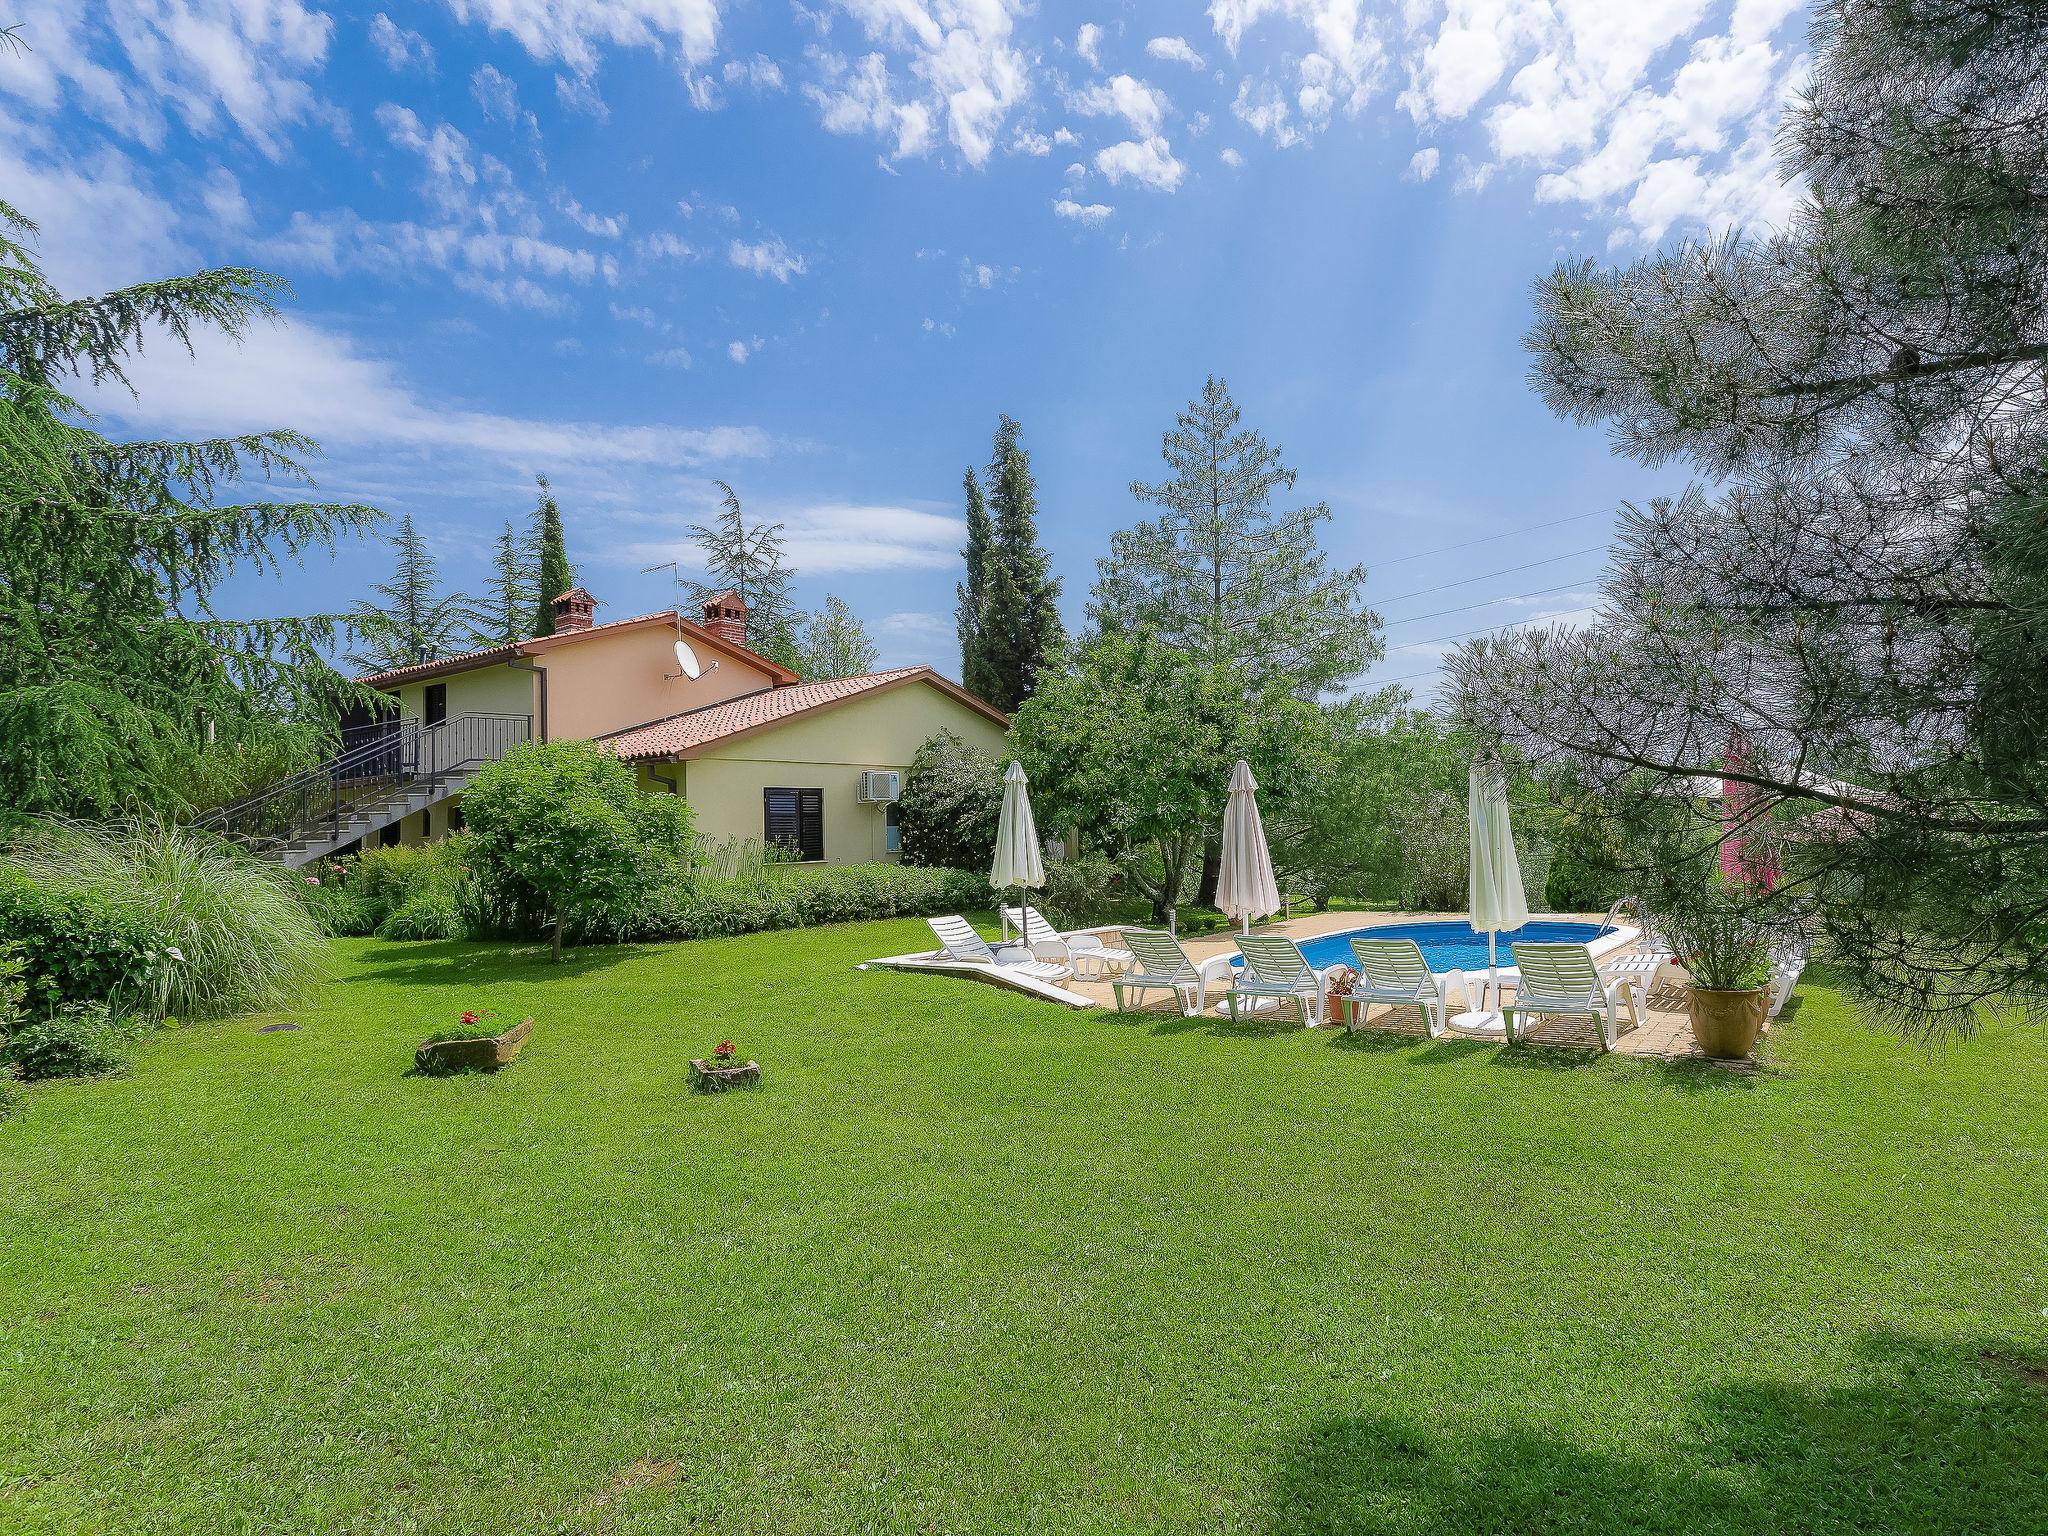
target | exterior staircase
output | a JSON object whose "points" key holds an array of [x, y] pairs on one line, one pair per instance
{"points": [[391, 771]]}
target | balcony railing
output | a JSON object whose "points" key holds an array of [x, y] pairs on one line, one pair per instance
{"points": [[376, 762]]}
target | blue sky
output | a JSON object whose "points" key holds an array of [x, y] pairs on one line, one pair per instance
{"points": [[638, 245]]}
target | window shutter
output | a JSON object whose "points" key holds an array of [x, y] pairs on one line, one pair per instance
{"points": [[811, 815]]}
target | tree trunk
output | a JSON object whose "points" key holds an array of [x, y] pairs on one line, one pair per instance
{"points": [[1212, 869], [559, 924]]}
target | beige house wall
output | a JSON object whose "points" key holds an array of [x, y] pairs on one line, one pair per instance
{"points": [[494, 690], [606, 682], [826, 751]]}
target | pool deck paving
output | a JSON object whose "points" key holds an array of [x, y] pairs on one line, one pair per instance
{"points": [[1666, 1033]]}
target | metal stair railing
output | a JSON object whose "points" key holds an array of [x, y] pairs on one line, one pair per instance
{"points": [[398, 760]]}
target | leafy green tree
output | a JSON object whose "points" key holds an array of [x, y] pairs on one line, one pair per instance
{"points": [[1853, 623], [746, 558], [1021, 626], [410, 620], [1223, 574], [561, 828], [506, 612], [835, 644], [555, 575], [952, 799], [1134, 743], [120, 686]]}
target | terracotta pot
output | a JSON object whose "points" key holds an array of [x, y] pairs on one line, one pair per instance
{"points": [[1725, 1025]]}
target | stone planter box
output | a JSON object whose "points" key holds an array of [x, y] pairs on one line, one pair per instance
{"points": [[709, 1079], [439, 1057]]}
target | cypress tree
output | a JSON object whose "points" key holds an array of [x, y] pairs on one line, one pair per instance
{"points": [[557, 575], [973, 592], [1021, 626]]}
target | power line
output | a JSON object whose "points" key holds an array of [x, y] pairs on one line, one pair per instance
{"points": [[1452, 549], [1416, 618], [1467, 581], [1541, 618]]}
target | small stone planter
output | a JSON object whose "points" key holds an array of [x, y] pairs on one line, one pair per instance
{"points": [[709, 1079], [438, 1058]]}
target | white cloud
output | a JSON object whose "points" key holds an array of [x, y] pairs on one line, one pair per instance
{"points": [[223, 200], [1082, 213], [831, 537], [1350, 43], [318, 381], [1422, 164], [1121, 96], [213, 63], [1177, 50], [1231, 158], [938, 327], [664, 246], [740, 351], [100, 225], [1149, 162], [765, 258], [577, 94], [499, 265], [760, 72], [1029, 143], [1261, 108], [495, 93], [674, 357], [958, 67], [605, 226], [1088, 44], [573, 31], [401, 47]]}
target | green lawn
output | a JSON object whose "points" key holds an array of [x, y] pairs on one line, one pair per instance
{"points": [[971, 1263]]}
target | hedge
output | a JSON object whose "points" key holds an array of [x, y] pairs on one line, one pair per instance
{"points": [[799, 897], [77, 946]]}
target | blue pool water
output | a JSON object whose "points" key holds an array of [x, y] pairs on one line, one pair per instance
{"points": [[1447, 946]]}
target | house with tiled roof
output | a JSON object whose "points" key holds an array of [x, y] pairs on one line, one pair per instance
{"points": [[758, 752]]}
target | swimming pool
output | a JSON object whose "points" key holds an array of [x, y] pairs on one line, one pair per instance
{"points": [[1453, 946]]}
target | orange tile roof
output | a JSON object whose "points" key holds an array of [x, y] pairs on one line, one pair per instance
{"points": [[687, 735]]}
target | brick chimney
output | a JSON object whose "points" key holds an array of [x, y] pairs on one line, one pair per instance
{"points": [[726, 617], [572, 610]]}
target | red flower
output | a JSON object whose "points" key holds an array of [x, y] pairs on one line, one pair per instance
{"points": [[469, 1017], [724, 1048]]}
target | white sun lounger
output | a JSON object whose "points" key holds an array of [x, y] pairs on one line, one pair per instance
{"points": [[958, 939], [1393, 971], [1159, 961], [1276, 968], [1562, 978], [1085, 952]]}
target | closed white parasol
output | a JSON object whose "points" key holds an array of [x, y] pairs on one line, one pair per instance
{"points": [[1245, 887]]}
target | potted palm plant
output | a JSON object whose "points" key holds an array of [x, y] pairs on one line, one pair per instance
{"points": [[1721, 932]]}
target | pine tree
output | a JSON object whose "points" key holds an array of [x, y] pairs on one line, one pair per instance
{"points": [[835, 644], [410, 621], [1223, 574], [1855, 626], [972, 613], [557, 575], [747, 559], [120, 688], [506, 614], [1021, 625]]}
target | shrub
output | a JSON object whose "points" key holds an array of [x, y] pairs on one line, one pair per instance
{"points": [[1586, 865], [12, 1099], [1079, 890], [559, 830], [79, 1040], [13, 988], [795, 898], [79, 945], [343, 913], [238, 935], [431, 913], [952, 798]]}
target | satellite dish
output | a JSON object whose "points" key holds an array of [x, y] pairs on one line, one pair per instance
{"points": [[687, 660]]}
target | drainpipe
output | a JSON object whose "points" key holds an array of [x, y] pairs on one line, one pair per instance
{"points": [[542, 674]]}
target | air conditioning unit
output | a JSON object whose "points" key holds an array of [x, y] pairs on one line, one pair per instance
{"points": [[880, 788]]}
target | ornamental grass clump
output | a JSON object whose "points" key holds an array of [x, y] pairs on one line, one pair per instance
{"points": [[234, 931]]}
